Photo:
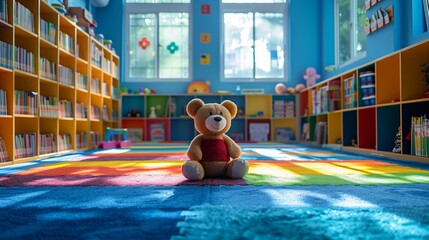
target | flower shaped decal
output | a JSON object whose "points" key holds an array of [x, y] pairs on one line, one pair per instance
{"points": [[144, 43], [172, 47]]}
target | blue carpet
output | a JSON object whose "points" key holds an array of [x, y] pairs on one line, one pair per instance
{"points": [[215, 212]]}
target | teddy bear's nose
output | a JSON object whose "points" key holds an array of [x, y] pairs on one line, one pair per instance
{"points": [[217, 119]]}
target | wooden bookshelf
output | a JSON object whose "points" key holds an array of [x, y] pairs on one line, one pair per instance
{"points": [[178, 126], [388, 92], [56, 44]]}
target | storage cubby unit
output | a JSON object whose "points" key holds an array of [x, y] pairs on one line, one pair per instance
{"points": [[350, 134], [367, 134], [396, 82], [48, 92], [255, 116], [388, 124], [388, 79]]}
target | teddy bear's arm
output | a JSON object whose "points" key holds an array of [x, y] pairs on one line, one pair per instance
{"points": [[194, 151], [233, 149]]}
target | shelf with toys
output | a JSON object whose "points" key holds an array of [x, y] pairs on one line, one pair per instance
{"points": [[45, 92], [159, 117], [382, 107]]}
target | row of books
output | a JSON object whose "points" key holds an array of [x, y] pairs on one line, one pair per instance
{"points": [[66, 42], [105, 89], [105, 113], [48, 143], [81, 81], [48, 106], [420, 136], [283, 108], [48, 69], [25, 145], [95, 85], [96, 55], [24, 60], [66, 76], [48, 31], [6, 51], [3, 102], [115, 70], [24, 17], [350, 93], [95, 113], [4, 11], [81, 110], [4, 157], [65, 108], [81, 140], [25, 102], [106, 65], [64, 142], [95, 139]]}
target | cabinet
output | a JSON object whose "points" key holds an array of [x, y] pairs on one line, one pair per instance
{"points": [[261, 117], [375, 100], [48, 104]]}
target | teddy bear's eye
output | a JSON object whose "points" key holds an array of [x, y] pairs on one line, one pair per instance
{"points": [[210, 113], [221, 113]]}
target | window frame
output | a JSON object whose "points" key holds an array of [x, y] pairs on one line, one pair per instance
{"points": [[282, 8], [355, 26], [156, 8]]}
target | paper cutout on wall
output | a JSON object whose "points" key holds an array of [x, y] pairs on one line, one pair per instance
{"points": [[205, 37], [198, 87], [205, 59], [144, 43], [205, 9], [172, 47]]}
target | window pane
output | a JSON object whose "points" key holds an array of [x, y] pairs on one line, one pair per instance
{"points": [[174, 45], [360, 44], [345, 26], [269, 50], [238, 45], [142, 56]]}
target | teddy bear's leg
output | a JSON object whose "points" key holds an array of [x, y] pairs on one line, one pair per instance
{"points": [[237, 168], [192, 170]]}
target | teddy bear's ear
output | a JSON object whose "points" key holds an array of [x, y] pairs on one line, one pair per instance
{"points": [[232, 108], [193, 106]]}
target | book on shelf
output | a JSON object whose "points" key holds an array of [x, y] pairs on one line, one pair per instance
{"points": [[48, 69], [24, 17], [259, 131], [4, 10], [25, 145], [420, 136], [25, 102], [106, 116], [66, 42], [64, 142], [157, 132], [65, 108], [6, 55], [95, 85], [4, 157], [47, 31], [96, 55], [24, 60], [95, 138], [48, 106], [3, 102], [320, 133], [81, 110], [135, 134], [81, 81], [66, 76], [81, 140], [48, 143], [95, 112], [284, 134]]}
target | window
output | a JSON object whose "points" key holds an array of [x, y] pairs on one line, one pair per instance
{"points": [[350, 34], [157, 40], [254, 40]]}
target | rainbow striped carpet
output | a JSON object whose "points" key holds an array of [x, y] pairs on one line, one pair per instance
{"points": [[160, 165], [291, 192]]}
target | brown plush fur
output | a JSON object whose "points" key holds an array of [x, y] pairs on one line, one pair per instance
{"points": [[200, 111]]}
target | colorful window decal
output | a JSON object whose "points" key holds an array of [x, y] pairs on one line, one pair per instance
{"points": [[172, 47], [144, 43]]}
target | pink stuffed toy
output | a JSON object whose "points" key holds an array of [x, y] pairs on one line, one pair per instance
{"points": [[311, 76]]}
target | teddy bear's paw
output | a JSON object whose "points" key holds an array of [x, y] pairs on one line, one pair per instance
{"points": [[238, 168], [192, 170]]}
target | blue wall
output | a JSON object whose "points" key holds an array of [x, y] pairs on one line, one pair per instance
{"points": [[310, 39]]}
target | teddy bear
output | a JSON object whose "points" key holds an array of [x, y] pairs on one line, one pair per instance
{"points": [[212, 153]]}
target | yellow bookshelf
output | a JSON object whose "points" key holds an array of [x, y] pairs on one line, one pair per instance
{"points": [[61, 68]]}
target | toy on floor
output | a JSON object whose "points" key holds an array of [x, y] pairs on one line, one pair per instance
{"points": [[212, 153], [115, 138]]}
